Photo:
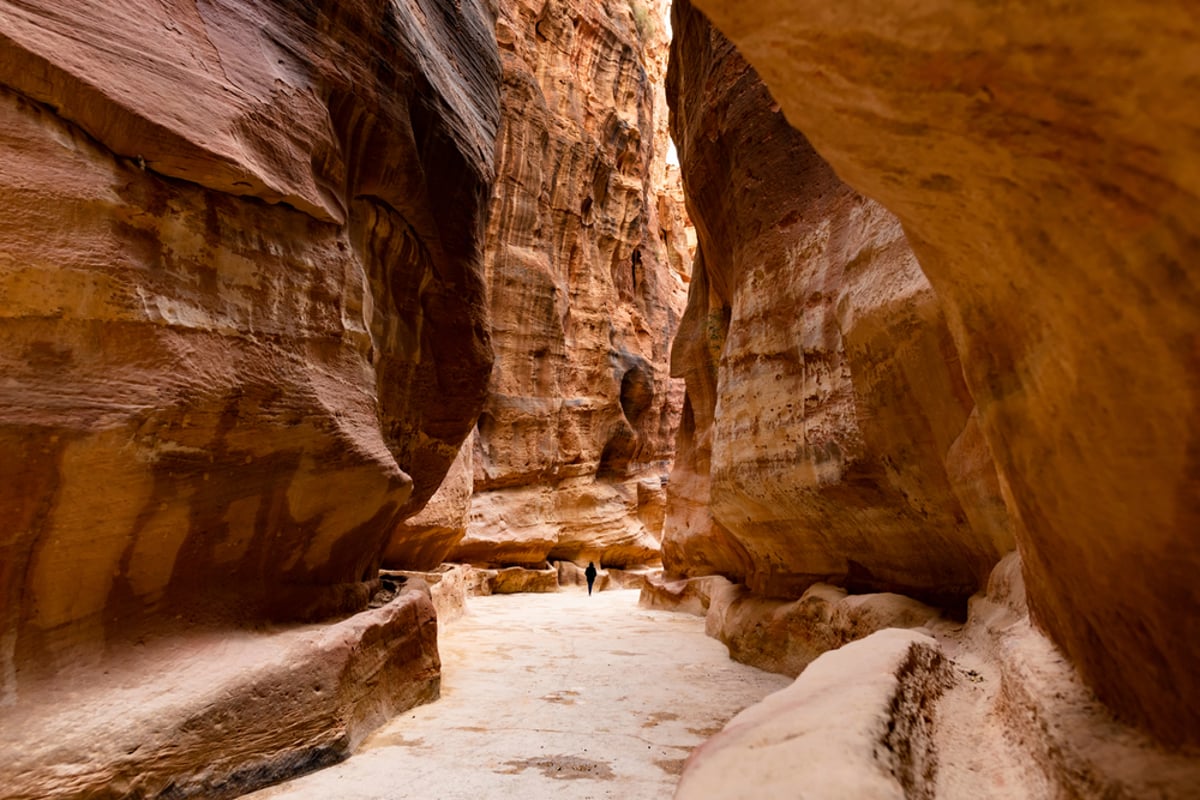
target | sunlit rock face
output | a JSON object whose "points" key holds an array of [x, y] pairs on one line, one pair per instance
{"points": [[243, 328], [828, 434], [586, 261], [1043, 161]]}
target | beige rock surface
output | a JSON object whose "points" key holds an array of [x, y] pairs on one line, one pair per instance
{"points": [[1065, 740], [687, 595], [449, 587], [572, 574], [586, 287], [633, 578], [215, 713], [597, 699], [989, 709], [828, 434], [514, 580], [786, 637], [780, 635], [855, 724], [1043, 162]]}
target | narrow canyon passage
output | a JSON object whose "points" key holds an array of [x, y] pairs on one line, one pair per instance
{"points": [[552, 695], [870, 330]]}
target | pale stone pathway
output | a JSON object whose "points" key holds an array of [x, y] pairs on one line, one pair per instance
{"points": [[559, 696]]}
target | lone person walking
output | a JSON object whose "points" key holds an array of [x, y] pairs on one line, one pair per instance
{"points": [[590, 573]]}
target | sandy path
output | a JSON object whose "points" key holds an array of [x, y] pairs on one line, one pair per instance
{"points": [[552, 695]]}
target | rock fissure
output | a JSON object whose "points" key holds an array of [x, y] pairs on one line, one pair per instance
{"points": [[910, 742]]}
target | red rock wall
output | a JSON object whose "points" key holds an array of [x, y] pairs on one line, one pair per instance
{"points": [[586, 287], [1042, 160], [828, 434], [243, 327]]}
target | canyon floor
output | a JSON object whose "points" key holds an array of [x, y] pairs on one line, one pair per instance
{"points": [[552, 695]]}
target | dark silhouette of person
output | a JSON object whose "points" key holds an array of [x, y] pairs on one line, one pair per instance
{"points": [[590, 573]]}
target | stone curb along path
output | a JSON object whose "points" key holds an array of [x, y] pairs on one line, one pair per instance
{"points": [[552, 695]]}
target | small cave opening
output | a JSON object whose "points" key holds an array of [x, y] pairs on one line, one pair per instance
{"points": [[617, 453], [637, 393], [484, 424]]}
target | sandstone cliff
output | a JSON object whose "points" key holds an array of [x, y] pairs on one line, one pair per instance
{"points": [[585, 266], [827, 433], [1043, 163], [244, 327]]}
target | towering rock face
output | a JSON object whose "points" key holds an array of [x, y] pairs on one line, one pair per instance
{"points": [[585, 267], [1043, 163], [827, 435], [243, 328]]}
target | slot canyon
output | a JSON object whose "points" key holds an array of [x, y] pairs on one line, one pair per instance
{"points": [[599, 398]]}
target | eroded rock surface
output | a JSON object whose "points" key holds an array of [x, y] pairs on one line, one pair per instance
{"points": [[586, 260], [424, 540], [244, 327], [1043, 164], [854, 724], [986, 709], [449, 587], [213, 714], [827, 433], [784, 636]]}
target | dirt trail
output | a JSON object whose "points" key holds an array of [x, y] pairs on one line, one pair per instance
{"points": [[552, 695]]}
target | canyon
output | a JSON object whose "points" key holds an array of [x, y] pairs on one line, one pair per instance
{"points": [[586, 259], [892, 378]]}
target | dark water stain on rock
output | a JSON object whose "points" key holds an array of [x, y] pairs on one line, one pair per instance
{"points": [[565, 697], [706, 732], [671, 766], [562, 767], [659, 716]]}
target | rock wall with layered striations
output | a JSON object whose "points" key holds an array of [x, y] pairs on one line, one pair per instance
{"points": [[244, 327], [827, 433], [586, 262], [1043, 163]]}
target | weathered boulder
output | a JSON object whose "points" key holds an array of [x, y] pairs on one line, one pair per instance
{"points": [[1043, 161], [586, 285], [855, 724], [449, 587], [217, 713], [784, 636], [689, 595], [632, 578], [512, 580], [828, 435]]}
